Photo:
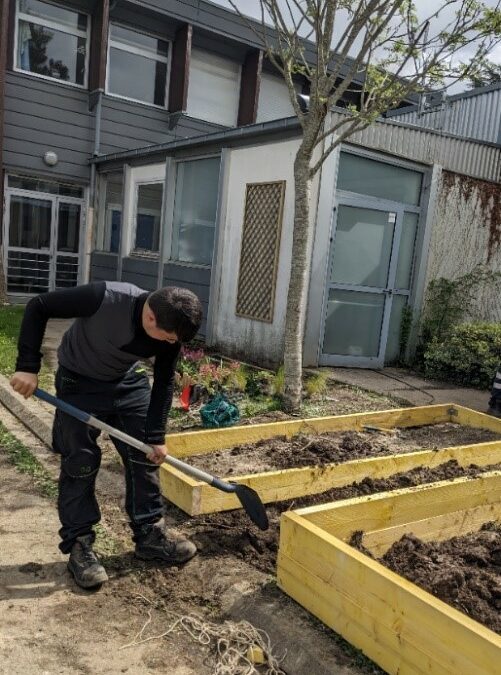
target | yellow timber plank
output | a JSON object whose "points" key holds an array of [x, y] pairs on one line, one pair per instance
{"points": [[473, 418], [326, 556], [199, 442], [438, 528], [360, 634], [418, 620], [180, 489], [403, 645], [387, 509], [274, 486]]}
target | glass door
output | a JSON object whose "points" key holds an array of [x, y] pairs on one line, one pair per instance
{"points": [[368, 283], [66, 240], [42, 235], [29, 236]]}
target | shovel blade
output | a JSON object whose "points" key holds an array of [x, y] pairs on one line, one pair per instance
{"points": [[253, 505]]}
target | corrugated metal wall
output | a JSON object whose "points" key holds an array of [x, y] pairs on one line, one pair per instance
{"points": [[424, 145], [473, 116]]}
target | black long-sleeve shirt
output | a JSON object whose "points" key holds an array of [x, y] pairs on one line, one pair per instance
{"points": [[85, 301]]}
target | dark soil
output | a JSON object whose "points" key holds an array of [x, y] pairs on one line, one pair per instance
{"points": [[232, 533], [334, 447], [463, 571]]}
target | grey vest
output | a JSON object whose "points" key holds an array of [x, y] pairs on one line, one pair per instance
{"points": [[91, 346]]}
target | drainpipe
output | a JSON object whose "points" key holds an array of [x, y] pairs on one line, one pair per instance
{"points": [[89, 230]]}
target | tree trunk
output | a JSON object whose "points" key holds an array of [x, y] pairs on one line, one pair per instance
{"points": [[298, 284]]}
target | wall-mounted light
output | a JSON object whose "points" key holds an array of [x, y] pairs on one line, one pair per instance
{"points": [[50, 158]]}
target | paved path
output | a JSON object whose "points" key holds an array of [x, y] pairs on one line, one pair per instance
{"points": [[410, 387]]}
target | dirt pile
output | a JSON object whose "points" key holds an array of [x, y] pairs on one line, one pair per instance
{"points": [[463, 571], [333, 447], [231, 533]]}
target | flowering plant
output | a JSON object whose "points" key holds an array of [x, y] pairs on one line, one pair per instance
{"points": [[195, 367]]}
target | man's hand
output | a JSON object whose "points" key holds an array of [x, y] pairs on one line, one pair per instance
{"points": [[158, 454], [24, 383]]}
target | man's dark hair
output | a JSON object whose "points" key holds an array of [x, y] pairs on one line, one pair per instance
{"points": [[178, 310]]}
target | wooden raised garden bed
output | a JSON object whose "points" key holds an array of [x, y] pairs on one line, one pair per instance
{"points": [[403, 628], [197, 498]]}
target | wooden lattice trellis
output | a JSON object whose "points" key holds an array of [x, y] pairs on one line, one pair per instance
{"points": [[262, 229]]}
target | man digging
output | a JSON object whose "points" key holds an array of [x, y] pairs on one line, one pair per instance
{"points": [[116, 324]]}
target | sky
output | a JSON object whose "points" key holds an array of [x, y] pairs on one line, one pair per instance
{"points": [[424, 8]]}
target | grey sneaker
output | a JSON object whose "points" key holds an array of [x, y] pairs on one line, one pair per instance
{"points": [[157, 546], [84, 564], [495, 412]]}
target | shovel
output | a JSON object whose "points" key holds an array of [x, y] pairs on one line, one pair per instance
{"points": [[248, 497]]}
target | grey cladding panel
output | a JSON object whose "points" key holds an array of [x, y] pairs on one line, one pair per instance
{"points": [[206, 15], [29, 163], [139, 271], [193, 278], [184, 273], [126, 126], [40, 116], [103, 266]]}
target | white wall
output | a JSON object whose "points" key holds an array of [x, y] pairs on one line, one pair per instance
{"points": [[463, 225], [250, 340]]}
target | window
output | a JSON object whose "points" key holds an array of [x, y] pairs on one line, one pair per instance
{"points": [[214, 89], [148, 217], [137, 66], [39, 185], [110, 212], [195, 211], [52, 41], [379, 179]]}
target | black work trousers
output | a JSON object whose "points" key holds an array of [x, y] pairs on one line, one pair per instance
{"points": [[123, 404]]}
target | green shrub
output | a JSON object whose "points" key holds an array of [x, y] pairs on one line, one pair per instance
{"points": [[449, 302], [469, 355]]}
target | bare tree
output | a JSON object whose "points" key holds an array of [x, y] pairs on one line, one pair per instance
{"points": [[395, 53]]}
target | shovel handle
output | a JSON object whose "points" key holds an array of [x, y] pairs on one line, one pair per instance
{"points": [[92, 421], [247, 497]]}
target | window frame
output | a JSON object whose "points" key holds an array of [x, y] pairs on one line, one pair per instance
{"points": [[48, 23], [103, 219], [144, 252], [172, 227], [138, 52], [108, 225]]}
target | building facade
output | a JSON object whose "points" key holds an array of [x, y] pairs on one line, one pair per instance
{"points": [[82, 78], [152, 143]]}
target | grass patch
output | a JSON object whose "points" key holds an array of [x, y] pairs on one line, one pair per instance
{"points": [[25, 462], [10, 323], [259, 406], [11, 317]]}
